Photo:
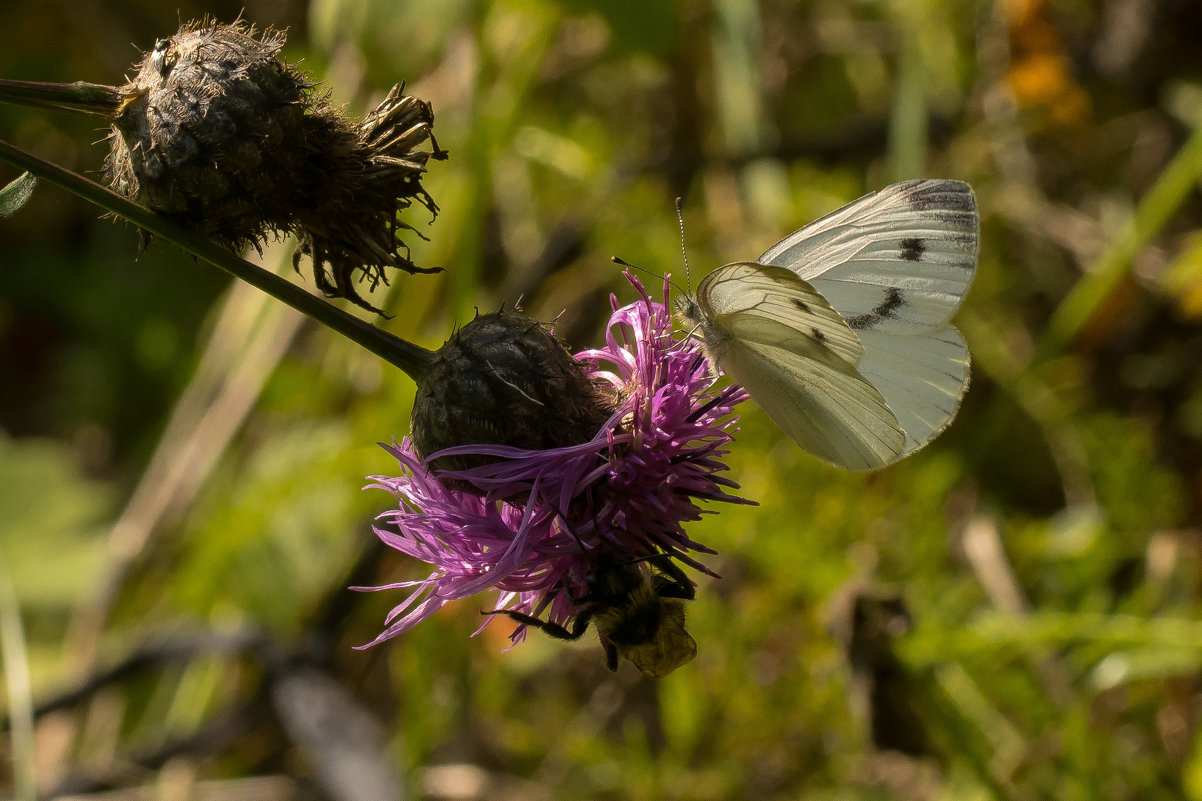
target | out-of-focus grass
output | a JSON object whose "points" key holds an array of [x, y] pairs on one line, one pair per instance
{"points": [[1046, 545]]}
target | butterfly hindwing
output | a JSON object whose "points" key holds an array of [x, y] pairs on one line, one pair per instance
{"points": [[921, 378], [772, 333], [826, 407]]}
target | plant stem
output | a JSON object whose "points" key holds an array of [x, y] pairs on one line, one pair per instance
{"points": [[87, 98], [1075, 312], [414, 360]]}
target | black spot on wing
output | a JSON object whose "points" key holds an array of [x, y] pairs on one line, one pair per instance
{"points": [[801, 305], [886, 309], [818, 335], [892, 302], [912, 248]]}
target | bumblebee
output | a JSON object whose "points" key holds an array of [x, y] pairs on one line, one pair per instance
{"points": [[638, 610]]}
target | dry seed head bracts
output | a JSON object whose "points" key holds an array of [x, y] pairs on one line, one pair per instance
{"points": [[219, 134], [504, 379]]}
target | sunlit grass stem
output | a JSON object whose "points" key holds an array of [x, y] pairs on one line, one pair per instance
{"points": [[1155, 209], [1081, 305], [14, 659]]}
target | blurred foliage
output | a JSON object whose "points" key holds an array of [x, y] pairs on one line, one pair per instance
{"points": [[181, 461]]}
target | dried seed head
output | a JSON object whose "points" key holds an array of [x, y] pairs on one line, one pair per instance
{"points": [[504, 379], [210, 127], [219, 134]]}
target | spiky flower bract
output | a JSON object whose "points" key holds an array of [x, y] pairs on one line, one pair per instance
{"points": [[540, 521]]}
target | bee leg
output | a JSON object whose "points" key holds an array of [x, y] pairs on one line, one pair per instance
{"points": [[675, 582], [611, 654], [579, 624]]}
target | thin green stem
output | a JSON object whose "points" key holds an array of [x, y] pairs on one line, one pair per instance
{"points": [[88, 98], [413, 359], [1155, 209]]}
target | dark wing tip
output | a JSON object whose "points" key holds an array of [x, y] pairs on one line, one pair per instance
{"points": [[938, 194]]}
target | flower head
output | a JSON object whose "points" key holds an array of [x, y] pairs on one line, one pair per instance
{"points": [[543, 524], [218, 133]]}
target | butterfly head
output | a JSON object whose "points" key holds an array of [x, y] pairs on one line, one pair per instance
{"points": [[685, 306]]}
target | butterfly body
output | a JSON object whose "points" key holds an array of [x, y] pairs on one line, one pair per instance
{"points": [[841, 331]]}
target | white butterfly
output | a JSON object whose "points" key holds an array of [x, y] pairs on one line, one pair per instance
{"points": [[840, 331]]}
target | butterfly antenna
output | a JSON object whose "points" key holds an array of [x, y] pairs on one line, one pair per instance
{"points": [[683, 251], [624, 263], [644, 270]]}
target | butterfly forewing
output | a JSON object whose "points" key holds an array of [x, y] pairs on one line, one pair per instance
{"points": [[898, 260]]}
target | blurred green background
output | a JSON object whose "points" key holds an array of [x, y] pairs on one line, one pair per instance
{"points": [[181, 459]]}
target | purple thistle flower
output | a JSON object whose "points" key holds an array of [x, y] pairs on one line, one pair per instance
{"points": [[543, 520]]}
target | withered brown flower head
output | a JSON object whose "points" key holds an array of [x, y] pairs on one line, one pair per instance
{"points": [[219, 134]]}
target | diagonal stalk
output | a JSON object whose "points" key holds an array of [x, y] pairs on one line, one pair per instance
{"points": [[1154, 210], [87, 98], [413, 359]]}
